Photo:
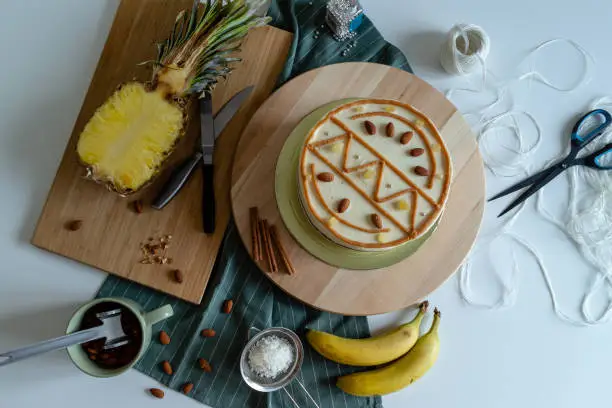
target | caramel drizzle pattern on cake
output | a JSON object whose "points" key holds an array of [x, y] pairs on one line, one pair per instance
{"points": [[347, 140], [347, 137], [413, 210], [377, 198], [335, 215], [431, 127], [432, 159], [413, 231], [397, 171], [359, 190]]}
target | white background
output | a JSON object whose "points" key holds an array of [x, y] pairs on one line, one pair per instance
{"points": [[523, 356]]}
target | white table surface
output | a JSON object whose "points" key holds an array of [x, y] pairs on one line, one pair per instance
{"points": [[520, 357]]}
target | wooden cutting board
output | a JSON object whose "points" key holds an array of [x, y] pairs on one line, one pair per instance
{"points": [[341, 290], [111, 232]]}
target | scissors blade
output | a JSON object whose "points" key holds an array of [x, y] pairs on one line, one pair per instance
{"points": [[523, 183], [538, 184]]}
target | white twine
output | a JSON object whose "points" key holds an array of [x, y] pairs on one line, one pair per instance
{"points": [[465, 49], [588, 219]]}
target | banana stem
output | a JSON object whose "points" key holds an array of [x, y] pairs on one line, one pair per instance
{"points": [[436, 321]]}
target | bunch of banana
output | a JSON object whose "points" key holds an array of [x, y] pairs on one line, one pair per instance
{"points": [[410, 357]]}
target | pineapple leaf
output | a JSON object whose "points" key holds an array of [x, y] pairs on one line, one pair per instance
{"points": [[193, 18], [203, 40]]}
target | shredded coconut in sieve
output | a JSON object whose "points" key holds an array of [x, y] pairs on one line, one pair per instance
{"points": [[270, 356]]}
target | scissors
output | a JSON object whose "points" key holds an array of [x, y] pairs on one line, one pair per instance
{"points": [[578, 142]]}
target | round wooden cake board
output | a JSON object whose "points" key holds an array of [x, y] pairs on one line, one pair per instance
{"points": [[352, 291]]}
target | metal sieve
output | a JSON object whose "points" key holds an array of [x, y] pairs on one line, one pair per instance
{"points": [[264, 384]]}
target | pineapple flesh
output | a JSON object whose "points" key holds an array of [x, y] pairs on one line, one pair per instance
{"points": [[129, 137]]}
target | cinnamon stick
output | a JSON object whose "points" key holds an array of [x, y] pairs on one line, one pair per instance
{"points": [[281, 250], [260, 244], [256, 253], [263, 252], [269, 249]]}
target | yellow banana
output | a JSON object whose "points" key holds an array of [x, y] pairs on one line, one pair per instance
{"points": [[370, 351], [400, 373]]}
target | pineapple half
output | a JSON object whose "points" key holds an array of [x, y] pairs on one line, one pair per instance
{"points": [[127, 140]]}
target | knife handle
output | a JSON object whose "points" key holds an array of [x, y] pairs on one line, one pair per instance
{"points": [[208, 198], [176, 181]]}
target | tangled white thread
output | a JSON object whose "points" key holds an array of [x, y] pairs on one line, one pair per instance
{"points": [[588, 221]]}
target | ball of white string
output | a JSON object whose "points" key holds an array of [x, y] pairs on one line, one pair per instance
{"points": [[465, 49]]}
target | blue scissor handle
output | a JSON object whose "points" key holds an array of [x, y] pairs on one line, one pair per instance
{"points": [[594, 160], [578, 140]]}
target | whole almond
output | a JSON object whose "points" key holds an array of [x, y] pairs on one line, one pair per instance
{"points": [[228, 305], [390, 129], [405, 139], [137, 206], [369, 127], [325, 177], [167, 367], [421, 171], [205, 365], [208, 333], [343, 205], [187, 387], [177, 275], [157, 393], [74, 225], [417, 152], [164, 338], [376, 220]]}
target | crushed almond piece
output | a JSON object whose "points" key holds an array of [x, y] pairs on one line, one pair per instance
{"points": [[154, 250], [380, 237]]}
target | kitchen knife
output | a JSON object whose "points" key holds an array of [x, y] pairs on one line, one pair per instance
{"points": [[207, 140], [182, 173]]}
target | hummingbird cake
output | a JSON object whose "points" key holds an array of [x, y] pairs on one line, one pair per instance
{"points": [[374, 174]]}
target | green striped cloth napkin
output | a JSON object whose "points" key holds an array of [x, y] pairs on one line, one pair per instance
{"points": [[258, 303]]}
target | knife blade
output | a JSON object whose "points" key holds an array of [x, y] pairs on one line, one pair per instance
{"points": [[207, 129], [182, 172], [227, 112], [207, 141]]}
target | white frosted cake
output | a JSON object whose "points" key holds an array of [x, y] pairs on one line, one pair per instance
{"points": [[374, 174]]}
